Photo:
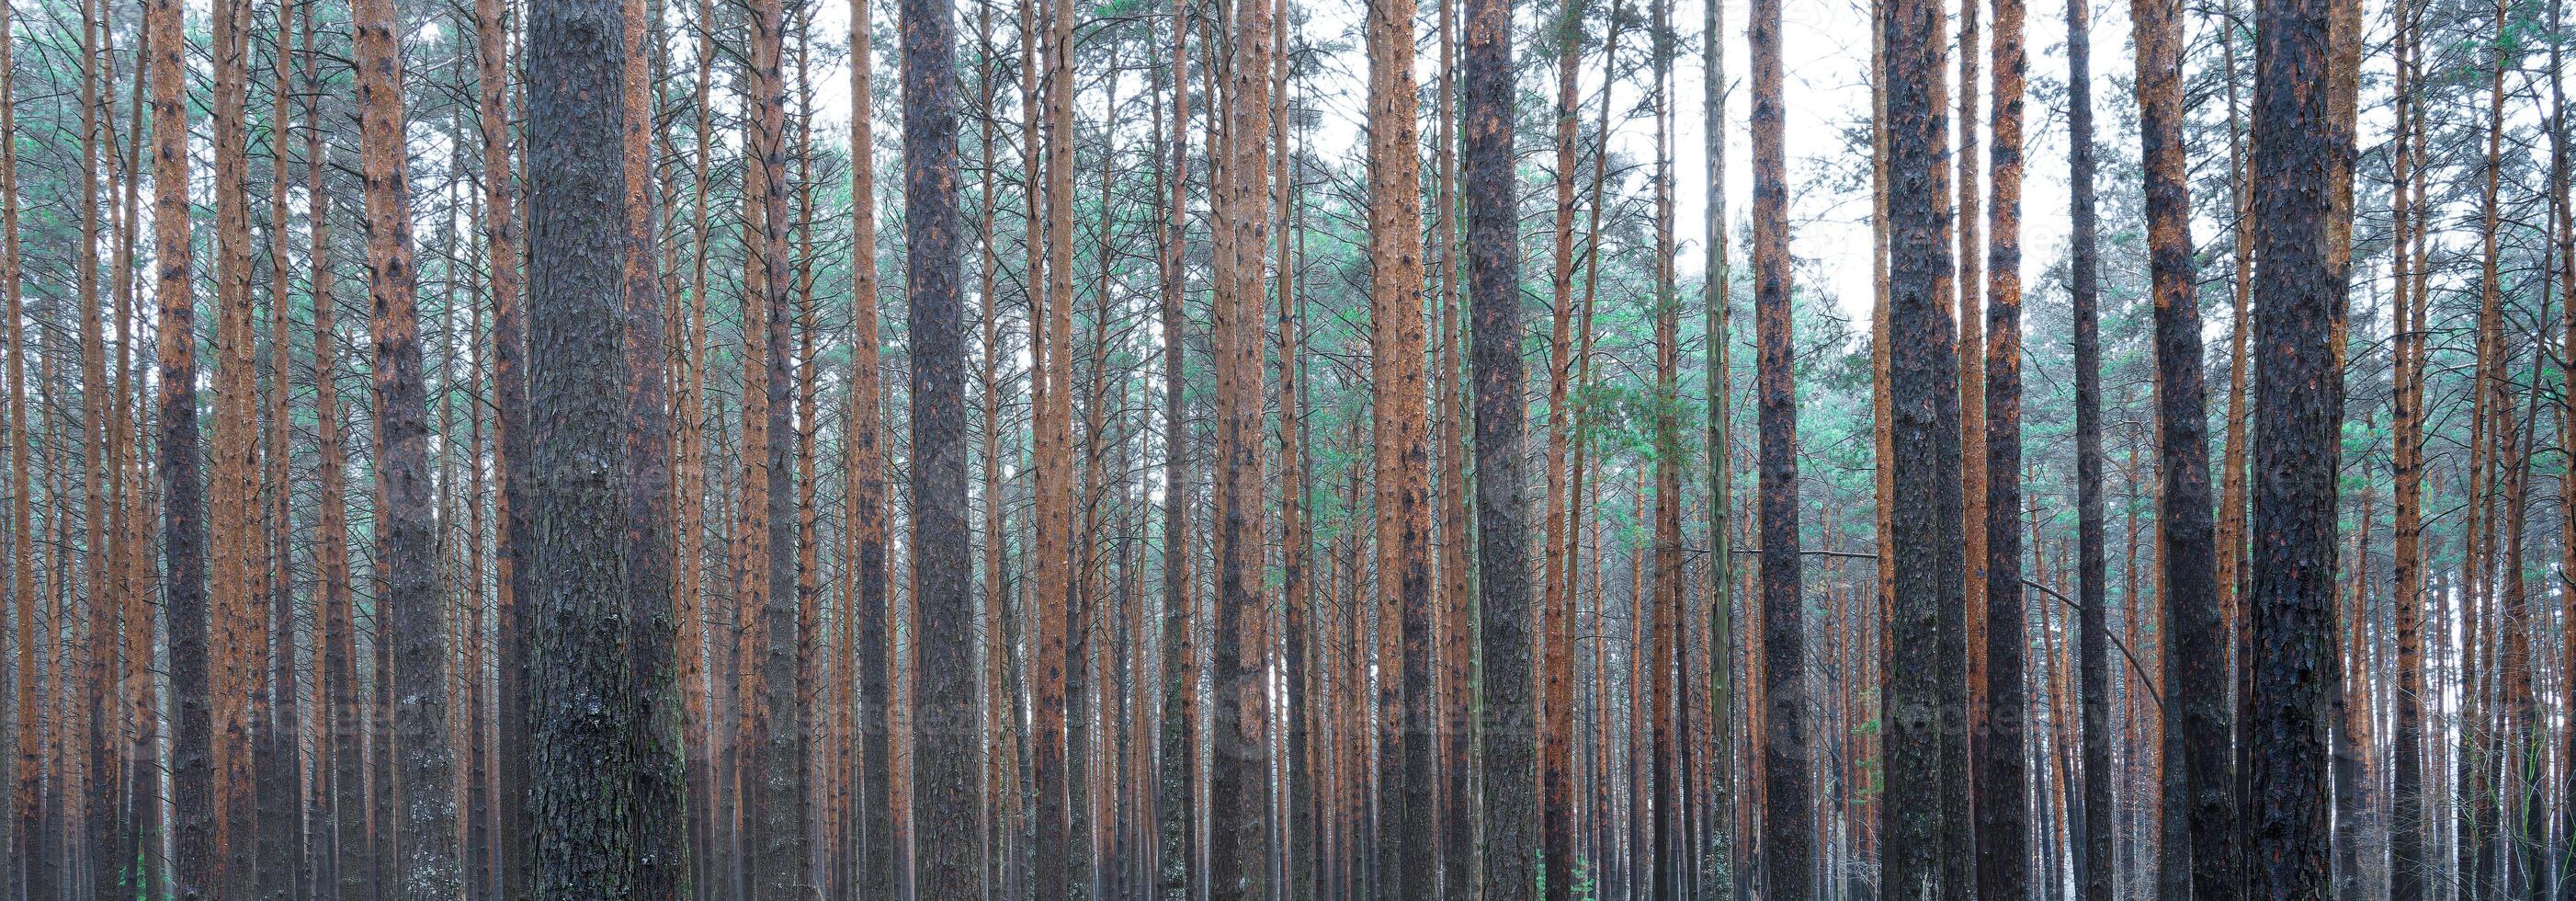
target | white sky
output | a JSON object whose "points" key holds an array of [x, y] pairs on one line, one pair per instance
{"points": [[1827, 85]]}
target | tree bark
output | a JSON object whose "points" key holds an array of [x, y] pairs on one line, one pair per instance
{"points": [[511, 440], [2299, 403], [943, 770], [1238, 866], [187, 658], [1510, 757], [2197, 710], [1558, 832], [582, 747], [2096, 873], [1720, 876], [2003, 830], [236, 627], [407, 543], [1176, 799], [1789, 842], [353, 860], [1924, 399], [876, 861], [654, 726], [1406, 864]]}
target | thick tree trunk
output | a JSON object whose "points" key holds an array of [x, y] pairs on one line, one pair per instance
{"points": [[1510, 757], [582, 744], [2197, 710], [407, 542], [1923, 392], [1789, 842], [943, 770], [2298, 395]]}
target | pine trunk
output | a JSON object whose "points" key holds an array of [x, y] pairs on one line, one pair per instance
{"points": [[2096, 874], [407, 542], [1920, 808], [2297, 394], [1789, 842], [2003, 827], [1507, 708], [582, 742], [1406, 864], [943, 770]]}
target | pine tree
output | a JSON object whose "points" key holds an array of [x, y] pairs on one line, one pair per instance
{"points": [[1510, 759], [1924, 397], [512, 439], [876, 864], [352, 851], [1556, 710], [943, 771], [1715, 287], [586, 839], [2299, 403], [2096, 872], [406, 544], [2003, 833], [1789, 847], [2410, 838], [1238, 867], [25, 766], [2197, 712], [1406, 864], [1176, 796]]}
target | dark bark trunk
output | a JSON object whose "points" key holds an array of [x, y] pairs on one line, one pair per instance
{"points": [[583, 744], [2003, 831], [943, 770], [2096, 874], [1789, 840], [407, 542], [2299, 402], [1922, 723], [1510, 754], [2198, 713]]}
